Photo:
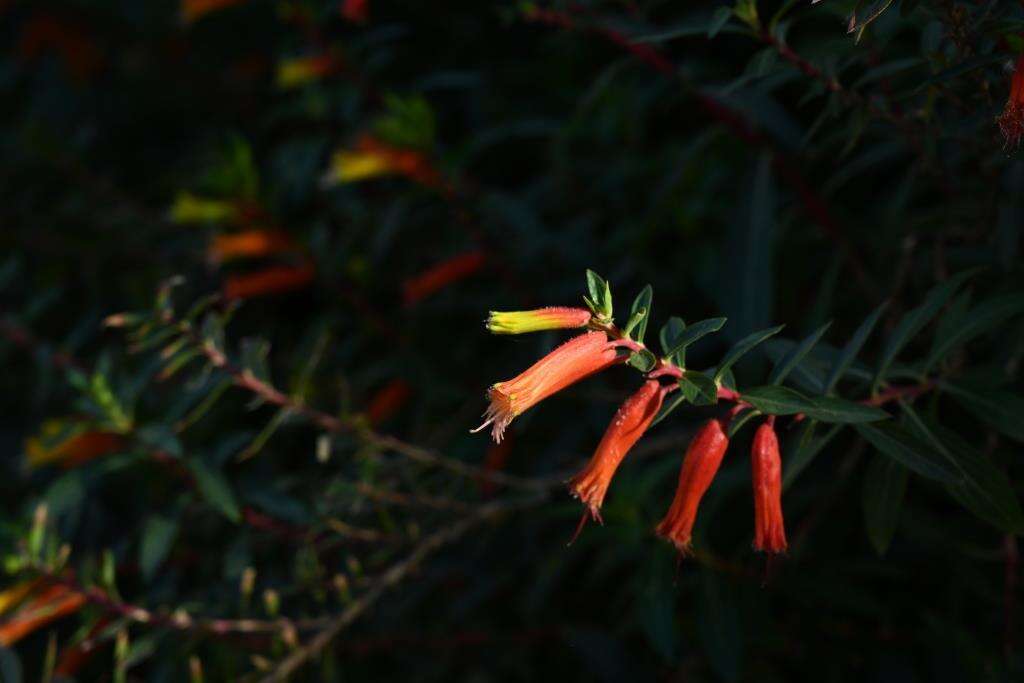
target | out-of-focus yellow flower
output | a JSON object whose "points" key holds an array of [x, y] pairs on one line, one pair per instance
{"points": [[371, 158], [188, 208], [192, 10], [69, 445], [292, 73], [12, 597]]}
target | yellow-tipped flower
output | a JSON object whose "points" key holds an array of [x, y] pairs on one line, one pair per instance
{"points": [[550, 318], [188, 208], [299, 71], [352, 166], [69, 445]]}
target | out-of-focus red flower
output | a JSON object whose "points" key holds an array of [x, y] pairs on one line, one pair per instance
{"points": [[577, 358], [630, 422], [56, 444], [44, 607], [73, 658], [249, 244], [703, 457], [495, 460], [766, 471], [442, 275], [356, 11], [47, 33], [274, 280], [193, 10], [388, 401], [1011, 121]]}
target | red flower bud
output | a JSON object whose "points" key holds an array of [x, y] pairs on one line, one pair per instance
{"points": [[766, 471], [629, 424], [703, 457]]}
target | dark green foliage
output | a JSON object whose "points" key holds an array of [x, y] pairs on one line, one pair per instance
{"points": [[808, 208]]}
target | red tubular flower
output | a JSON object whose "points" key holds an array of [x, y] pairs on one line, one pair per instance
{"points": [[572, 361], [273, 280], [630, 422], [766, 470], [442, 275], [1011, 121], [700, 465]]}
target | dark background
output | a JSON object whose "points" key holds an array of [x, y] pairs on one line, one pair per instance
{"points": [[738, 182]]}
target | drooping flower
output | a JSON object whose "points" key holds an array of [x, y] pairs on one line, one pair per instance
{"points": [[273, 280], [299, 71], [630, 422], [550, 318], [569, 363], [439, 276], [766, 471], [1011, 121], [248, 244], [700, 464]]}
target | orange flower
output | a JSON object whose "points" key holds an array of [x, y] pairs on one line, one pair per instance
{"points": [[388, 401], [356, 11], [766, 470], [630, 422], [192, 10], [703, 457], [57, 445], [249, 244], [45, 607], [440, 276], [1011, 121], [273, 280], [577, 358]]}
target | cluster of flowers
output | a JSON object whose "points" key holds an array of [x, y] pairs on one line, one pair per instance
{"points": [[596, 350]]}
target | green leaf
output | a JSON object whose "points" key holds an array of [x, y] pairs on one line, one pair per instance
{"points": [[719, 627], [215, 489], [698, 388], [805, 450], [914, 321], [695, 332], [718, 20], [643, 360], [795, 355], [670, 334], [985, 317], [999, 409], [982, 487], [642, 309], [158, 534], [743, 347], [10, 666], [893, 440], [600, 300], [832, 409], [668, 407], [885, 483], [853, 347], [775, 400], [740, 420]]}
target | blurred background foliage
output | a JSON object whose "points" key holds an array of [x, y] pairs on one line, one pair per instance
{"points": [[342, 190]]}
